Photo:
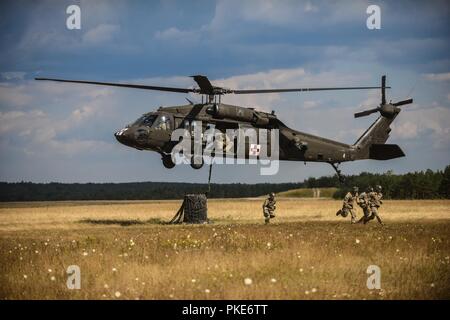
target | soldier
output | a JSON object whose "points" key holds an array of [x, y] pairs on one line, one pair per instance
{"points": [[375, 202], [269, 208], [347, 206], [363, 202]]}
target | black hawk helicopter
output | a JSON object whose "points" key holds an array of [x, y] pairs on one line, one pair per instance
{"points": [[153, 130]]}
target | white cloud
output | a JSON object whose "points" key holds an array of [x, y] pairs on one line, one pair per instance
{"points": [[310, 104], [438, 76], [175, 34], [101, 33], [12, 75], [14, 95], [20, 122], [433, 119], [406, 130], [309, 7]]}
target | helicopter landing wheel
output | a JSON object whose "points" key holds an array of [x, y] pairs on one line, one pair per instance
{"points": [[197, 165], [167, 162]]}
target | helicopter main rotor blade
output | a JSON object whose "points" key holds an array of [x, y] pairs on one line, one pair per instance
{"points": [[205, 85], [300, 90], [124, 85]]}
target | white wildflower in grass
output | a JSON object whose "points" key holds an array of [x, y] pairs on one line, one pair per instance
{"points": [[357, 241], [273, 280], [25, 276], [45, 244], [114, 270], [171, 295], [194, 281], [248, 281], [306, 292], [432, 285], [313, 290], [106, 286], [269, 244], [85, 253], [207, 291], [50, 270], [143, 283], [36, 251], [117, 294], [301, 269], [398, 250], [52, 278], [137, 279], [93, 250]]}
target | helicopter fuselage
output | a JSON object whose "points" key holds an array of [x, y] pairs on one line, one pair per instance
{"points": [[153, 131]]}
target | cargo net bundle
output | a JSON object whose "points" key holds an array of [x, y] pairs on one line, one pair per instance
{"points": [[194, 209]]}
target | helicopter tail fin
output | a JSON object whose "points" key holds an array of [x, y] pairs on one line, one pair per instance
{"points": [[372, 143]]}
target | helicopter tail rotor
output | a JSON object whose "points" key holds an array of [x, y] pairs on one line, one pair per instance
{"points": [[387, 110]]}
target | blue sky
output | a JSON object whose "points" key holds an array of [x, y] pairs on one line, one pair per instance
{"points": [[60, 132]]}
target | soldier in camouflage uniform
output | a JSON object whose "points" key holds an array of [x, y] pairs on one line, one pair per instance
{"points": [[269, 208], [347, 206], [375, 202], [363, 202]]}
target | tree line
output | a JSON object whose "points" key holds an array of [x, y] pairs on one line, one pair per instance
{"points": [[415, 185], [426, 184]]}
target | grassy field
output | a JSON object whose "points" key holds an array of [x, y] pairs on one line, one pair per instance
{"points": [[125, 252], [309, 193]]}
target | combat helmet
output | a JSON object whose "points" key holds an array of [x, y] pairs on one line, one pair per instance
{"points": [[378, 188]]}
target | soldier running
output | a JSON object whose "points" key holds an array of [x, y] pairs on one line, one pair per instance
{"points": [[347, 206], [363, 202], [375, 202], [269, 208]]}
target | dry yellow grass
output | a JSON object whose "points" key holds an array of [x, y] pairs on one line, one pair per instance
{"points": [[308, 253]]}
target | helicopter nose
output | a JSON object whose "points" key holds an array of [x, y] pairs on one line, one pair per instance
{"points": [[122, 136]]}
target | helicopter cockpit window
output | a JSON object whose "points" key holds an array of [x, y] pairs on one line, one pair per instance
{"points": [[162, 123], [145, 120]]}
